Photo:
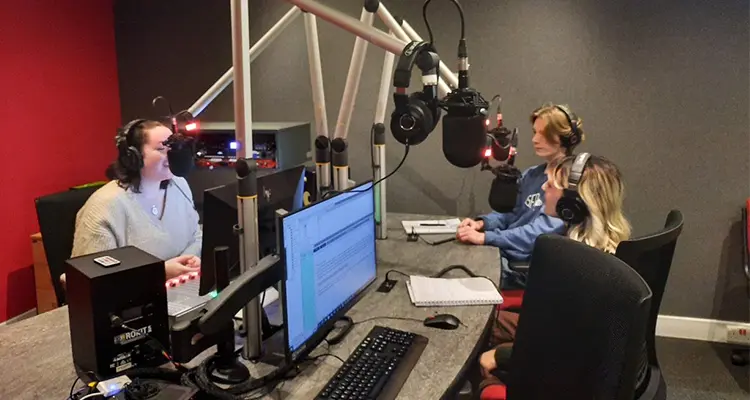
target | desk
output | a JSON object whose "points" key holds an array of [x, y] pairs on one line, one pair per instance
{"points": [[37, 356]]}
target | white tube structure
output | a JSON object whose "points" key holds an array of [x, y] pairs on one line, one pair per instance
{"points": [[378, 146], [350, 24], [352, 80], [257, 48], [445, 72], [247, 203], [322, 141], [401, 33], [316, 75], [340, 155]]}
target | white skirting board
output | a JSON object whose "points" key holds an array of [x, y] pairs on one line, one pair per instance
{"points": [[707, 330]]}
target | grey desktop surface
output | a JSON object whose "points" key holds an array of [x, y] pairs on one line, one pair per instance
{"points": [[37, 354]]}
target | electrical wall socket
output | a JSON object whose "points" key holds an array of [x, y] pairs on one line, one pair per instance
{"points": [[738, 334]]}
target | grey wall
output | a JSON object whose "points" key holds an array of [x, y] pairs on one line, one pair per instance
{"points": [[662, 87]]}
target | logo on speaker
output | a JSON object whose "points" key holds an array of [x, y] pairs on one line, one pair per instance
{"points": [[132, 336]]}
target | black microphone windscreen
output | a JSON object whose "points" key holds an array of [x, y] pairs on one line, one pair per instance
{"points": [[501, 143], [464, 139], [503, 194], [181, 160]]}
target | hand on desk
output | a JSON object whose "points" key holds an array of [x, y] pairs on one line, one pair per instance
{"points": [[181, 265], [470, 236], [473, 224], [173, 267]]}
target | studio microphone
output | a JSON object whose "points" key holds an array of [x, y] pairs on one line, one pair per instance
{"points": [[501, 146], [181, 154], [464, 130]]}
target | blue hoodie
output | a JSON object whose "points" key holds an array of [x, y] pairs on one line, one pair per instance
{"points": [[515, 232]]}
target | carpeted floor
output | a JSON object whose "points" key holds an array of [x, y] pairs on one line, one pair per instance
{"points": [[701, 371]]}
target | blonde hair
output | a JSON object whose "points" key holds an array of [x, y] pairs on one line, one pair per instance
{"points": [[602, 190], [557, 124]]}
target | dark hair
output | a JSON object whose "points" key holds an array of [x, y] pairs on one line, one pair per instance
{"points": [[127, 177]]}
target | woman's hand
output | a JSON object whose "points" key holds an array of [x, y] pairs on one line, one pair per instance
{"points": [[487, 361], [181, 265], [475, 225]]}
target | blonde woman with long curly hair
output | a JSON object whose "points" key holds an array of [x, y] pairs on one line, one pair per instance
{"points": [[601, 223], [587, 193]]}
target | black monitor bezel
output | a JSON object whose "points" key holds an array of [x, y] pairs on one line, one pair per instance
{"points": [[316, 338], [206, 281]]}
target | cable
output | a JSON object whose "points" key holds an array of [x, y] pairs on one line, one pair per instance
{"points": [[117, 321], [88, 396], [326, 355], [398, 318], [88, 386], [427, 23], [406, 153], [463, 268], [335, 192], [398, 272], [78, 378]]}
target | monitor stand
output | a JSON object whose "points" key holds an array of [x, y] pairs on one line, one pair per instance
{"points": [[226, 367]]}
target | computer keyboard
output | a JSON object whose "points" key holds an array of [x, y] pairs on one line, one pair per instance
{"points": [[378, 367]]}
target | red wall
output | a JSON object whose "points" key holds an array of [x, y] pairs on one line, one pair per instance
{"points": [[59, 108]]}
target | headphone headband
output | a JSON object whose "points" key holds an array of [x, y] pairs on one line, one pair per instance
{"points": [[124, 134], [575, 134], [576, 171], [129, 156]]}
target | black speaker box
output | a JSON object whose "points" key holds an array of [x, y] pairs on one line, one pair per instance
{"points": [[117, 303]]}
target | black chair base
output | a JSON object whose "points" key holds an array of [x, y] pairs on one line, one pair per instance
{"points": [[741, 357], [657, 387]]}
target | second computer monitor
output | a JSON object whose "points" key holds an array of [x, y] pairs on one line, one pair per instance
{"points": [[328, 251], [277, 189]]}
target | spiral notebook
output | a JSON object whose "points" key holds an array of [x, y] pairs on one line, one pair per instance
{"points": [[437, 292]]}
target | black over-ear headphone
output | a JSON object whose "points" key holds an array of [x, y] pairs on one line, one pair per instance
{"points": [[417, 114], [575, 135], [129, 156], [570, 207]]}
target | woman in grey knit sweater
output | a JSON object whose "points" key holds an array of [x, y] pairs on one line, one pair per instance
{"points": [[144, 206]]}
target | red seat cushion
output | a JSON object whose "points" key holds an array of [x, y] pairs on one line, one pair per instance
{"points": [[512, 299], [493, 392]]}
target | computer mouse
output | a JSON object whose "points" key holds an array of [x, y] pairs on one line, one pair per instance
{"points": [[442, 321]]}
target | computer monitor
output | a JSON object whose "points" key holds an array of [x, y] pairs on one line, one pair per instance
{"points": [[328, 252], [276, 189]]}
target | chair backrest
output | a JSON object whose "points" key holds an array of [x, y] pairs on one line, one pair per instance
{"points": [[57, 218], [651, 256], [582, 325]]}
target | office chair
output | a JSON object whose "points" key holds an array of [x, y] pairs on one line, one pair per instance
{"points": [[651, 256], [57, 218], [577, 338], [741, 356], [513, 298]]}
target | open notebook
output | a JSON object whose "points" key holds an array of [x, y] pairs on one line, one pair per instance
{"points": [[437, 292]]}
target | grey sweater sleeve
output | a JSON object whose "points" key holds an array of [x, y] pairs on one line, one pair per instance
{"points": [[95, 226]]}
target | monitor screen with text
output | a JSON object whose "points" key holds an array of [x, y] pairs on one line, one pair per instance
{"points": [[329, 255]]}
